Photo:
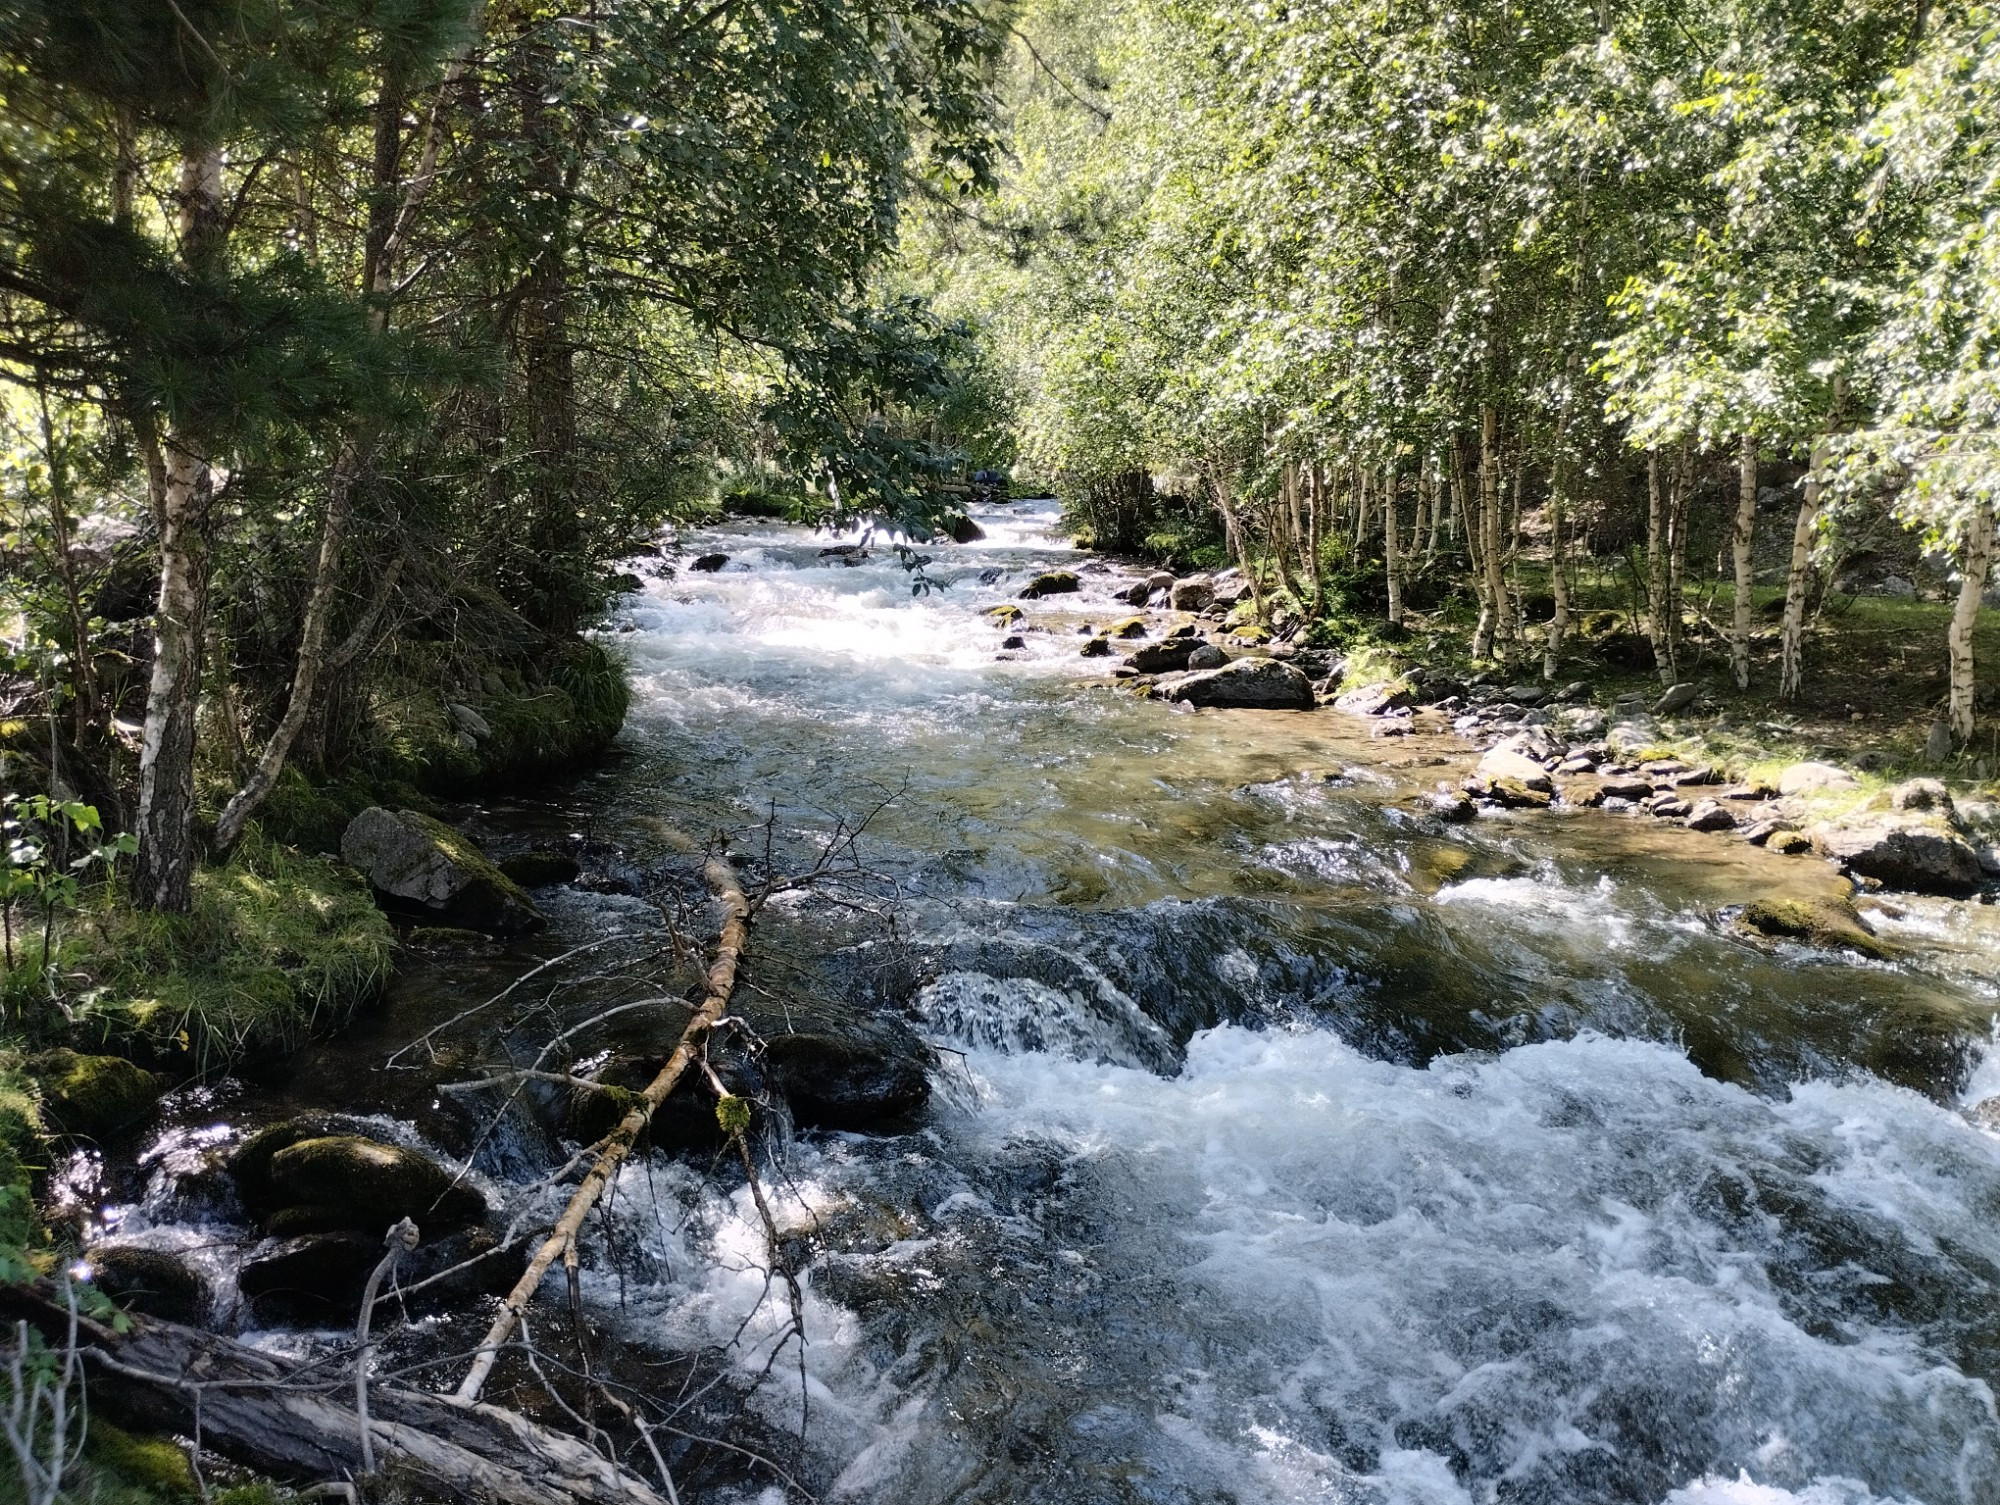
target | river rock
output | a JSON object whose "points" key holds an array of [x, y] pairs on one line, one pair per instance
{"points": [[1517, 794], [1627, 787], [1168, 657], [1207, 656], [1832, 923], [963, 529], [1581, 722], [1708, 815], [1788, 843], [88, 1097], [1097, 647], [1916, 855], [1192, 594], [709, 563], [318, 1279], [154, 1282], [422, 865], [312, 1174], [1376, 700], [1677, 698], [1049, 583], [1450, 805], [1016, 641], [1925, 796], [1131, 627], [1509, 762], [1669, 807], [1247, 684], [1809, 778]]}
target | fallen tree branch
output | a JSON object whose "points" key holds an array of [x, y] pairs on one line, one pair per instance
{"points": [[611, 1150], [249, 1406]]}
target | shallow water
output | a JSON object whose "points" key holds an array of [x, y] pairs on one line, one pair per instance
{"points": [[1289, 1146]]}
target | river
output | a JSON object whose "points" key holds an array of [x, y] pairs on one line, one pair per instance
{"points": [[1287, 1145]]}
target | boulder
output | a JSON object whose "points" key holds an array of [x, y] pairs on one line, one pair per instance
{"points": [[856, 1081], [1192, 594], [1669, 807], [1915, 855], [1131, 627], [709, 563], [1098, 647], [1938, 743], [1376, 700], [1510, 763], [1925, 796], [1168, 657], [307, 1175], [317, 1279], [1449, 805], [1016, 641], [1708, 815], [1247, 684], [1627, 787], [1788, 843], [423, 866], [1581, 722], [1049, 583], [1832, 923], [467, 720], [964, 530], [1207, 656], [155, 1282], [1518, 794], [1808, 778], [1677, 698], [1138, 594], [92, 1096], [1006, 615], [540, 869]]}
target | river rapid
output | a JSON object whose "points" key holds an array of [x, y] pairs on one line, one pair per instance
{"points": [[1286, 1144]]}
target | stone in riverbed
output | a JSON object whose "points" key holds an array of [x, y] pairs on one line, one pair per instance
{"points": [[1049, 583], [1808, 778], [1376, 700], [154, 1282], [1098, 647], [309, 1174], [1247, 684], [709, 563], [422, 866], [1669, 807], [1505, 762], [1192, 594], [1708, 815], [540, 869], [1820, 922], [1916, 855], [1449, 805], [1016, 641], [1006, 614], [1925, 796], [1131, 627], [1788, 843], [1168, 657], [1626, 787], [91, 1096], [1207, 656]]}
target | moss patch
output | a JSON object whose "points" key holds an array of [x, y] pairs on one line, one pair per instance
{"points": [[1819, 922], [277, 945], [91, 1096]]}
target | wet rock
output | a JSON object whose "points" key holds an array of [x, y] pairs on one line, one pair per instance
{"points": [[1450, 805], [1247, 684], [423, 866], [1832, 923], [1138, 594], [1747, 792], [318, 1279], [467, 720], [1006, 615], [540, 869], [1507, 762], [1989, 859], [1376, 700], [1924, 796], [1517, 794], [1016, 641], [1581, 722], [1098, 647], [1708, 815], [89, 1097], [1677, 698], [1192, 594], [1693, 778], [1626, 787], [1574, 765], [1207, 656], [312, 1173], [1915, 855], [963, 529], [1050, 583], [155, 1282], [856, 1081], [1788, 843], [446, 938], [1809, 778], [1131, 627], [854, 553], [1668, 807], [709, 563], [1168, 657]]}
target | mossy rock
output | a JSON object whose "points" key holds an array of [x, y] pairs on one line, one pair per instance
{"points": [[1131, 627], [152, 1464], [89, 1097], [540, 869], [1832, 923], [1515, 794], [1006, 615], [1050, 583], [348, 1181], [420, 866], [155, 1282]]}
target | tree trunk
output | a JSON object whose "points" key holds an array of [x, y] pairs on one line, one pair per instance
{"points": [[1793, 633], [253, 1408], [1558, 581], [1740, 540], [1472, 522], [164, 822], [1976, 562], [1490, 527], [1656, 567], [1680, 483], [1392, 544]]}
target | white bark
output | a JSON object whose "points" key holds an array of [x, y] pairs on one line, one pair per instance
{"points": [[1740, 539], [1976, 562], [1792, 635]]}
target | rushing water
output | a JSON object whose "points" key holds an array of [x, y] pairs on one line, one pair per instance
{"points": [[1288, 1146]]}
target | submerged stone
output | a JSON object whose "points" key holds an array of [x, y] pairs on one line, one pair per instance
{"points": [[1051, 583], [156, 1282], [1247, 684], [1820, 922]]}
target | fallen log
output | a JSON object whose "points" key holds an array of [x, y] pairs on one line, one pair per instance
{"points": [[610, 1152], [291, 1424]]}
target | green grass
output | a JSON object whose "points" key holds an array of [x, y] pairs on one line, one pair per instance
{"points": [[277, 946]]}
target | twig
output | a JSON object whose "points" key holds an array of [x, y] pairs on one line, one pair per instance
{"points": [[401, 1239]]}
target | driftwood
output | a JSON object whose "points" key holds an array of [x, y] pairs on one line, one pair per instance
{"points": [[292, 1422], [610, 1152]]}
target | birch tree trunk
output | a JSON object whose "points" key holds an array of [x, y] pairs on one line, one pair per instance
{"points": [[1392, 545], [1740, 540], [1656, 566], [1976, 562], [1680, 482], [1490, 522], [1793, 633], [1472, 520], [184, 486]]}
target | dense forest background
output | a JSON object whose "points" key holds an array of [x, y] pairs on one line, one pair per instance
{"points": [[348, 345]]}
